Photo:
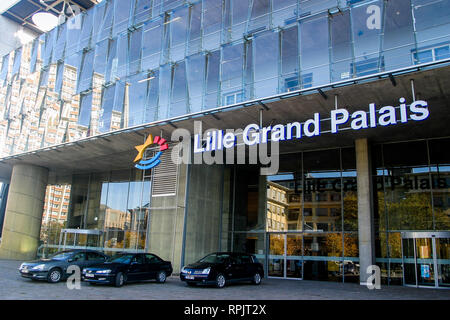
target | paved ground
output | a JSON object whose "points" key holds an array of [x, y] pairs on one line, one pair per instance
{"points": [[13, 286]]}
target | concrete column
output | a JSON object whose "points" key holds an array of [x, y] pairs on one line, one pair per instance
{"points": [[365, 209], [22, 225]]}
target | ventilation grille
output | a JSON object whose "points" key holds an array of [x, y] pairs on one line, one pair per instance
{"points": [[164, 177]]}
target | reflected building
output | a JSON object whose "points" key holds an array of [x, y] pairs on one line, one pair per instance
{"points": [[370, 188]]}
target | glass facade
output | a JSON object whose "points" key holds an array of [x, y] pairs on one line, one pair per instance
{"points": [[303, 221], [127, 63], [116, 203], [412, 194]]}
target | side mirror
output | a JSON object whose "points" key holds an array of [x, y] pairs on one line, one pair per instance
{"points": [[71, 260]]}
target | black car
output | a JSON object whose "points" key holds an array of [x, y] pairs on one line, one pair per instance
{"points": [[54, 269], [129, 267], [221, 268]]}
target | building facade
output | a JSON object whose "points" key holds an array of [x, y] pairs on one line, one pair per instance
{"points": [[353, 92]]}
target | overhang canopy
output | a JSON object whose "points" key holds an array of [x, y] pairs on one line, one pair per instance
{"points": [[115, 150]]}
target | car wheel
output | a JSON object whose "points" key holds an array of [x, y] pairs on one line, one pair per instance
{"points": [[120, 279], [161, 277], [54, 275], [220, 281], [256, 279]]}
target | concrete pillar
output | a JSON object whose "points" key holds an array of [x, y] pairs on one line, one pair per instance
{"points": [[22, 225], [365, 209]]}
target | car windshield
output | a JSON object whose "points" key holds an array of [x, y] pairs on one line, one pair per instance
{"points": [[215, 258], [121, 258], [61, 256]]}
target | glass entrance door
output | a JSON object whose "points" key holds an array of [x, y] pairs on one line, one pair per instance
{"points": [[285, 256], [443, 261], [426, 260]]}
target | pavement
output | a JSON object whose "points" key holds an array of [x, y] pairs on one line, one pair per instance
{"points": [[14, 287]]}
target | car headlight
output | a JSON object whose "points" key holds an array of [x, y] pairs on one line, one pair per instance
{"points": [[183, 270], [21, 266], [39, 267], [206, 271], [104, 271]]}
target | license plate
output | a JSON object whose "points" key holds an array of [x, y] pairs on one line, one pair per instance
{"points": [[25, 270], [89, 275], [190, 277]]}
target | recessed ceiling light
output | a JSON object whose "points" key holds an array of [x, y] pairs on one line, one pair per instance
{"points": [[45, 21]]}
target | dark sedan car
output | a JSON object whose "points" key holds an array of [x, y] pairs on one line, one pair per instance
{"points": [[221, 268], [129, 267], [54, 268]]}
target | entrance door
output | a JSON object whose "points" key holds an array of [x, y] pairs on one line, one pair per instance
{"points": [[426, 259], [285, 256]]}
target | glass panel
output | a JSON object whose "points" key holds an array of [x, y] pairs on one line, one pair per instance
{"points": [[137, 95], [425, 263], [212, 24], [260, 15], [350, 267], [276, 255], [307, 7], [232, 71], [314, 50], [289, 59], [122, 10], [85, 76], [61, 43], [443, 261], [107, 108], [398, 39], [284, 12], [212, 79], [84, 117], [349, 186], [178, 24], [86, 31], [100, 59], [117, 218], [73, 34], [440, 175], [341, 47], [432, 19], [294, 252], [196, 78], [250, 192], [78, 201], [322, 256], [4, 72], [49, 45], [135, 51], [165, 86], [239, 15], [409, 262], [407, 187], [195, 29], [178, 103], [266, 54], [151, 44], [366, 25], [121, 62], [33, 58], [143, 11], [151, 112], [322, 198], [59, 78], [106, 25]]}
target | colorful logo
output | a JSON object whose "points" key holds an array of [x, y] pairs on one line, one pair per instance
{"points": [[153, 162]]}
